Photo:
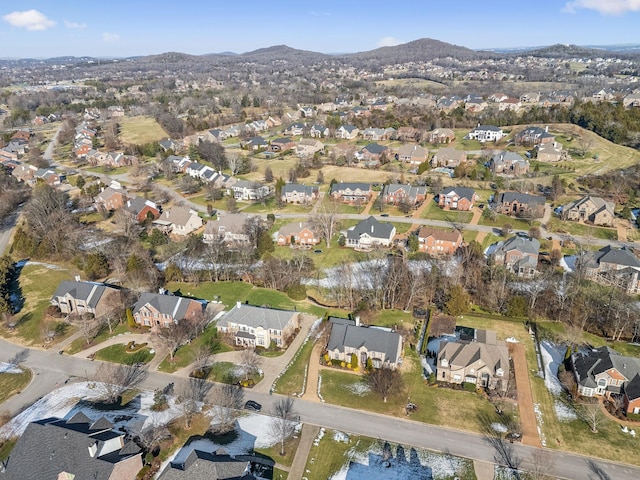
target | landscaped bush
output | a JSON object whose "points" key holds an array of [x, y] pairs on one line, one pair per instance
{"points": [[296, 292], [469, 387], [132, 346], [53, 311]]}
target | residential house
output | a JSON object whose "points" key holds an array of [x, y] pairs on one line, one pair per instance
{"points": [[534, 136], [380, 104], [519, 204], [77, 298], [457, 198], [256, 144], [216, 465], [215, 135], [437, 242], [297, 193], [54, 448], [169, 144], [604, 372], [485, 133], [370, 233], [111, 199], [246, 190], [307, 112], [372, 153], [159, 310], [200, 171], [631, 100], [508, 163], [319, 131], [115, 111], [347, 132], [256, 126], [23, 172], [360, 112], [412, 154], [49, 176], [295, 129], [448, 157], [510, 104], [228, 228], [591, 209], [447, 104], [283, 144], [141, 209], [606, 94], [408, 134], [550, 152], [518, 254], [618, 267], [352, 193], [530, 97], [183, 220], [259, 326], [308, 147], [380, 347], [378, 134], [397, 194], [483, 361], [297, 233], [475, 103], [441, 135]]}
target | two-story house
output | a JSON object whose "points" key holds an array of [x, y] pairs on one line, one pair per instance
{"points": [[352, 193], [375, 345], [412, 154], [347, 132], [437, 242], [77, 298], [370, 233], [618, 267], [486, 133], [297, 233], [252, 326], [397, 194], [247, 190], [518, 254], [318, 131], [182, 220], [508, 163], [229, 228], [590, 209], [457, 198], [534, 136], [297, 193], [158, 310], [519, 204], [448, 157]]}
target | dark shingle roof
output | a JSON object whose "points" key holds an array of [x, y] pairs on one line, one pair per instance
{"points": [[374, 339], [463, 192], [89, 292], [525, 198], [201, 465], [371, 227], [168, 304], [338, 187]]}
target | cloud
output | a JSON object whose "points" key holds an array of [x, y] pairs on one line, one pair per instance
{"points": [[75, 25], [605, 7], [31, 20], [110, 37], [388, 42]]}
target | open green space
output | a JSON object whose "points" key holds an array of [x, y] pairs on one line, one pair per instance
{"points": [[226, 292], [580, 229], [269, 206], [37, 285], [292, 380], [12, 383], [228, 372], [502, 220], [140, 130], [118, 354], [434, 212]]}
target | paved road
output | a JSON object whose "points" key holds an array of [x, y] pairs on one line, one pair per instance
{"points": [[48, 152], [53, 368], [6, 229]]}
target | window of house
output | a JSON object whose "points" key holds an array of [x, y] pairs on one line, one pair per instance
{"points": [[456, 378]]}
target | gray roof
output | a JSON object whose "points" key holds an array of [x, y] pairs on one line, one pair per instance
{"points": [[298, 188], [173, 305], [484, 128], [524, 198], [349, 128], [178, 215], [373, 339], [88, 292], [201, 465], [615, 256], [375, 148], [51, 446], [588, 365], [410, 190], [294, 228], [253, 316], [463, 192], [507, 157], [136, 204], [598, 202], [522, 244], [338, 187], [230, 222], [371, 227]]}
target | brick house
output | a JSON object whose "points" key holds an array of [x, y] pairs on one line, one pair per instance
{"points": [[457, 198], [441, 135], [158, 310], [618, 267], [438, 242], [412, 154], [518, 254], [297, 233], [590, 209], [76, 297], [397, 194], [141, 209], [519, 204], [448, 157], [508, 163]]}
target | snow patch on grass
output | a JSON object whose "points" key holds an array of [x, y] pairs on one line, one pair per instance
{"points": [[9, 368], [564, 412], [552, 357]]}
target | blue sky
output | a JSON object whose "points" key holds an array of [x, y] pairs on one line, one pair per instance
{"points": [[123, 28]]}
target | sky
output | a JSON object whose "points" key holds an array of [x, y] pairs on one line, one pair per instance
{"points": [[123, 28]]}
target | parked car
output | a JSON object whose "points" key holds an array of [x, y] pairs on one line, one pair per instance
{"points": [[252, 405]]}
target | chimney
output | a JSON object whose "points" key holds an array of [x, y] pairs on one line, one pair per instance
{"points": [[357, 320], [546, 129], [238, 304], [77, 277]]}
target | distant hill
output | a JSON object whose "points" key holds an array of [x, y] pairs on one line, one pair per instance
{"points": [[424, 49], [283, 52], [568, 51], [169, 58]]}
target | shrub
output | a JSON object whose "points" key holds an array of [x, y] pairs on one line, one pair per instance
{"points": [[326, 358], [296, 292], [248, 383], [354, 360], [342, 364], [469, 387]]}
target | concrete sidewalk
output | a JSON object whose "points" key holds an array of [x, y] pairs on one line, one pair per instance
{"points": [[309, 434]]}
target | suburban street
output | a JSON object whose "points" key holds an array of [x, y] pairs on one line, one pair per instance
{"points": [[51, 369], [6, 230]]}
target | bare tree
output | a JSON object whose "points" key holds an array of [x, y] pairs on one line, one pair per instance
{"points": [[191, 396], [201, 357], [584, 142], [19, 357], [326, 222], [384, 381], [250, 361], [114, 379], [591, 414], [89, 327], [227, 400], [235, 162], [111, 319], [542, 466], [150, 437], [283, 422], [174, 336]]}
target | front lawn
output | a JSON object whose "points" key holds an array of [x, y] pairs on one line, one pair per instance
{"points": [[12, 383], [227, 372], [292, 381], [581, 229], [80, 344], [118, 354], [502, 220], [185, 355], [434, 212]]}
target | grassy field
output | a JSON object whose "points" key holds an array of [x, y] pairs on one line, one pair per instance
{"points": [[140, 130], [185, 354], [434, 212], [227, 372], [37, 285], [330, 455], [501, 220], [119, 354], [11, 383], [580, 229]]}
